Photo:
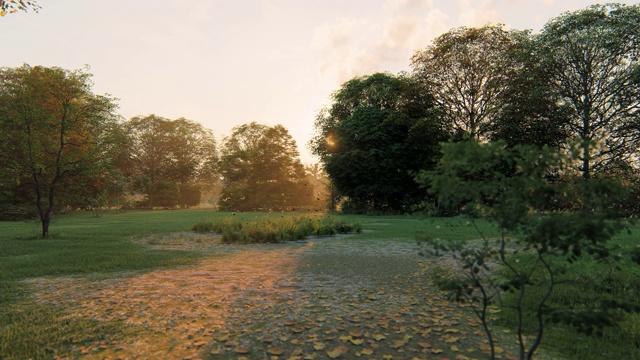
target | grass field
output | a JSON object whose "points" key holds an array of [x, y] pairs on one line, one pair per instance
{"points": [[120, 246]]}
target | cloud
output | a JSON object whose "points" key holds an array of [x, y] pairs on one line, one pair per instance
{"points": [[400, 30], [335, 35], [407, 4], [353, 47], [478, 13]]}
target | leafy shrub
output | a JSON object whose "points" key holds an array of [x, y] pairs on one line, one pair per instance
{"points": [[235, 230]]}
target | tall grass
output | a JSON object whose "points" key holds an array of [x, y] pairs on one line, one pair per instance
{"points": [[234, 230]]}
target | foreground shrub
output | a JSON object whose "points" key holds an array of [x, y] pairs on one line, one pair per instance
{"points": [[535, 252], [235, 230]]}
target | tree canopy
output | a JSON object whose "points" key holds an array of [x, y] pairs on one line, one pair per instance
{"points": [[261, 169], [378, 130], [591, 60], [467, 70], [53, 129], [168, 151]]}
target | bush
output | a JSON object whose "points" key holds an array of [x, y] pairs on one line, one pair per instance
{"points": [[275, 230]]}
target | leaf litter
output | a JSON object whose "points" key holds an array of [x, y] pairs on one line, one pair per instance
{"points": [[322, 299]]}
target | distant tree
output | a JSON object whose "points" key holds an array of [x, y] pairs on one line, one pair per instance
{"points": [[261, 169], [13, 6], [190, 195], [467, 70], [590, 57], [52, 127], [164, 194], [162, 150], [378, 130]]}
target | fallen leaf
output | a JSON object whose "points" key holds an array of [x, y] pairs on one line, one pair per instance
{"points": [[337, 352], [450, 339], [275, 351], [241, 349], [319, 346], [366, 351]]}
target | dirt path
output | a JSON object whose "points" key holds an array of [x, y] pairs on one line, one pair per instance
{"points": [[321, 299]]}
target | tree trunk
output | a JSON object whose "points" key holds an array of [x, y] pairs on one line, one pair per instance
{"points": [[46, 220]]}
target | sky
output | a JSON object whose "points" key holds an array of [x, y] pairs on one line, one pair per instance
{"points": [[224, 63]]}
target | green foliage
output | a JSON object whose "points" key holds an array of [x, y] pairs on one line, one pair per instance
{"points": [[590, 60], [378, 130], [164, 194], [530, 111], [261, 170], [234, 230], [468, 70], [52, 129], [190, 195], [509, 185]]}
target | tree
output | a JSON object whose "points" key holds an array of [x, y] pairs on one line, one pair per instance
{"points": [[378, 130], [162, 150], [591, 60], [532, 249], [190, 195], [467, 70], [529, 111], [260, 168], [51, 125], [13, 6], [165, 194]]}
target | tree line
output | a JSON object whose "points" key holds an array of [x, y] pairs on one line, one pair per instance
{"points": [[64, 147], [573, 86]]}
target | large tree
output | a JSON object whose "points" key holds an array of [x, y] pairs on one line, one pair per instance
{"points": [[53, 129], [467, 70], [591, 60], [379, 129], [261, 169], [529, 110], [175, 151]]}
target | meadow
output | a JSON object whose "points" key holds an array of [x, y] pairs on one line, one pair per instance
{"points": [[122, 246]]}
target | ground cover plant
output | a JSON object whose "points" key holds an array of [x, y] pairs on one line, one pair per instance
{"points": [[236, 230]]}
